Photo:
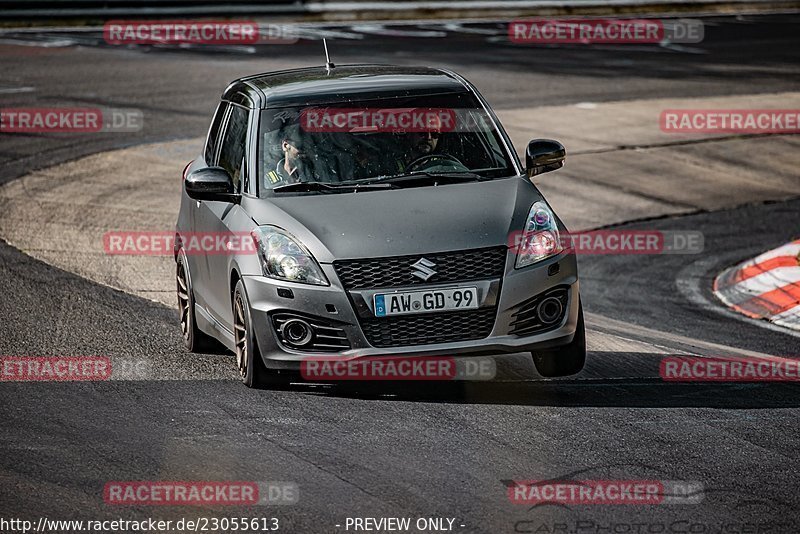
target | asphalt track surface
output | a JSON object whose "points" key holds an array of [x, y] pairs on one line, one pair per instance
{"points": [[403, 450]]}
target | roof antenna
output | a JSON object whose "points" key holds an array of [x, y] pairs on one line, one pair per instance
{"points": [[328, 65]]}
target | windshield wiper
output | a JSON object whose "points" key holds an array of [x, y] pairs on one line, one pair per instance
{"points": [[322, 186], [425, 175]]}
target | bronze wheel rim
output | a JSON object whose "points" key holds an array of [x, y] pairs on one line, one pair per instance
{"points": [[240, 334], [183, 300]]}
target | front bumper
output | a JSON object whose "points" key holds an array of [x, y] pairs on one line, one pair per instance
{"points": [[335, 305]]}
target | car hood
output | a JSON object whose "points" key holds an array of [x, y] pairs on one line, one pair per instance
{"points": [[398, 222]]}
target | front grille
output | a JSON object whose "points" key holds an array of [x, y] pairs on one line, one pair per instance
{"points": [[326, 336], [526, 321], [460, 266], [429, 328]]}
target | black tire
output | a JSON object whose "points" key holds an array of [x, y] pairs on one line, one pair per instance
{"points": [[252, 370], [566, 360], [195, 340]]}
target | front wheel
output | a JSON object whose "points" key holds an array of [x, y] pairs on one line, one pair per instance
{"points": [[566, 360], [252, 370]]}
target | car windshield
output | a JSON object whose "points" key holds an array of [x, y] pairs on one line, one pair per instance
{"points": [[375, 140]]}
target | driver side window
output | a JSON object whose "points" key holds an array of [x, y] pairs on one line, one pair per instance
{"points": [[233, 148], [212, 140]]}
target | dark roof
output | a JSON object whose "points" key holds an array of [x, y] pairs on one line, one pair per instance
{"points": [[315, 85]]}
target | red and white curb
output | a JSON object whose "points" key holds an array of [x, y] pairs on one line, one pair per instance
{"points": [[766, 287]]}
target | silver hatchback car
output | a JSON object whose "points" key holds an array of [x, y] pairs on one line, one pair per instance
{"points": [[368, 211]]}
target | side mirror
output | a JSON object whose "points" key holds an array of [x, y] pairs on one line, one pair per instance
{"points": [[544, 155], [211, 183]]}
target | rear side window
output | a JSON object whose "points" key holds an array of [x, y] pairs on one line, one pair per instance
{"points": [[232, 150], [213, 134]]}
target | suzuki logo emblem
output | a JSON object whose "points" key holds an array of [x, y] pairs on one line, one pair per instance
{"points": [[423, 269]]}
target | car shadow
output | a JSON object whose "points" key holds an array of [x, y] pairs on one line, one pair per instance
{"points": [[645, 389]]}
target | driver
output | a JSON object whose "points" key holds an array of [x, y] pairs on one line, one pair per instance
{"points": [[294, 167], [423, 143]]}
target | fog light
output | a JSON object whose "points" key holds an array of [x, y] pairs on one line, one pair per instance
{"points": [[297, 332], [549, 310]]}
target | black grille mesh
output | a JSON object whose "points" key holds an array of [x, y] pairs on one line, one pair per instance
{"points": [[461, 266], [429, 328]]}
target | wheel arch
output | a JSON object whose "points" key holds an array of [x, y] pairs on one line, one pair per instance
{"points": [[233, 279]]}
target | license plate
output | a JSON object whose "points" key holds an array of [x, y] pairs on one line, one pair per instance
{"points": [[432, 300]]}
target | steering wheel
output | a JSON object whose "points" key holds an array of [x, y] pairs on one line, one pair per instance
{"points": [[428, 161]]}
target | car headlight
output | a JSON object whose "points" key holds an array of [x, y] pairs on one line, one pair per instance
{"points": [[284, 258], [540, 238]]}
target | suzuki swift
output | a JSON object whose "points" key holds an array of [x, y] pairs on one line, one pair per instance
{"points": [[386, 213]]}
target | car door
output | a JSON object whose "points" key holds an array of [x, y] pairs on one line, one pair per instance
{"points": [[198, 267], [222, 218]]}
